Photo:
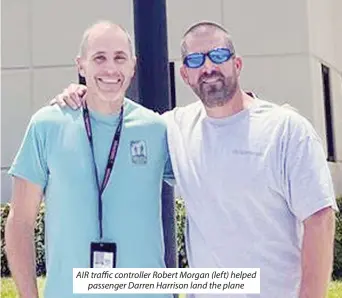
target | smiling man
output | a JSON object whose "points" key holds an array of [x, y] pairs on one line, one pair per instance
{"points": [[100, 169], [253, 174]]}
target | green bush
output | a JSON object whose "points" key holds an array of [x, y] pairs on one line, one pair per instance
{"points": [[39, 242], [180, 217], [4, 264], [181, 223], [39, 238], [337, 270]]}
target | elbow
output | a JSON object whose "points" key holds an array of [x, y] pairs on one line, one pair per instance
{"points": [[11, 230], [16, 229]]}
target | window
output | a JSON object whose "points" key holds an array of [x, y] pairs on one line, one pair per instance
{"points": [[328, 113], [172, 85]]}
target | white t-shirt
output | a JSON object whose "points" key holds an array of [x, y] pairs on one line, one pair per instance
{"points": [[248, 182]]}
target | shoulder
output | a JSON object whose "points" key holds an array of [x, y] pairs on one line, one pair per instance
{"points": [[287, 119], [184, 116], [52, 115], [140, 115], [49, 120]]}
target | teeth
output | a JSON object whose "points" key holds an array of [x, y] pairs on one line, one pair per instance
{"points": [[110, 81], [211, 80]]}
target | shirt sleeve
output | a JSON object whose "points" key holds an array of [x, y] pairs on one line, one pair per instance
{"points": [[30, 161], [169, 176], [307, 178]]}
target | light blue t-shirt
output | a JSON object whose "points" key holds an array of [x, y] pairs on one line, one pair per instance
{"points": [[56, 155]]}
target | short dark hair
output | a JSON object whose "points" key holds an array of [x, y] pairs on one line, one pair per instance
{"points": [[205, 24]]}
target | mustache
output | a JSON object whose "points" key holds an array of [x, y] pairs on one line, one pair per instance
{"points": [[215, 74]]}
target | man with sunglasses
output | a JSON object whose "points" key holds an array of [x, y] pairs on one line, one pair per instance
{"points": [[253, 175]]}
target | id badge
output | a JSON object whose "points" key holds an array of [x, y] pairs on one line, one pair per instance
{"points": [[102, 255]]}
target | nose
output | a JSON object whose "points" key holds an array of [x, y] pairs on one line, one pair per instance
{"points": [[110, 67], [208, 66], [110, 71]]}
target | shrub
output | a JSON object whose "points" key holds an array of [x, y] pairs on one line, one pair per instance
{"points": [[180, 218], [181, 224], [39, 241], [4, 264], [337, 270]]}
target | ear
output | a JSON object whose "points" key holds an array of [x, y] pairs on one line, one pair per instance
{"points": [[238, 64], [134, 65], [184, 74], [79, 63]]}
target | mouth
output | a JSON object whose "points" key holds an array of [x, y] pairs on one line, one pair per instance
{"points": [[110, 85], [110, 81], [211, 80]]}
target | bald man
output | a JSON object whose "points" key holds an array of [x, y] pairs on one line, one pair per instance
{"points": [[100, 169], [253, 175]]}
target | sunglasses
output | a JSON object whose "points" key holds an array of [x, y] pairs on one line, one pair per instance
{"points": [[217, 56]]}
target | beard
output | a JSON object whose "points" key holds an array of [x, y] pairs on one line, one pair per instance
{"points": [[216, 93]]}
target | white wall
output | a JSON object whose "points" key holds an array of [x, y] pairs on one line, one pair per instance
{"points": [[40, 39], [317, 105], [321, 33], [267, 27], [336, 172], [325, 42], [183, 13], [282, 44], [337, 29]]}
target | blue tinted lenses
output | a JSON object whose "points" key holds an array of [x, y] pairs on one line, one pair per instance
{"points": [[217, 56]]}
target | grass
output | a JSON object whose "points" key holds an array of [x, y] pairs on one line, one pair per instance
{"points": [[8, 289], [335, 289]]}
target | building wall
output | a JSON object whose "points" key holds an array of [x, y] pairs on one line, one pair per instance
{"points": [[40, 40], [283, 44]]}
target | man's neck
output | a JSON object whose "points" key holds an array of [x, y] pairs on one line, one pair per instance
{"points": [[104, 107], [236, 104]]}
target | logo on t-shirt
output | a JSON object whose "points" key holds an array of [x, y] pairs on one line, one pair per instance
{"points": [[247, 152], [139, 152]]}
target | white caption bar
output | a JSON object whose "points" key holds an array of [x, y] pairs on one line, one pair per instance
{"points": [[170, 280]]}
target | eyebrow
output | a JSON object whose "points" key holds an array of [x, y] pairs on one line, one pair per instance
{"points": [[121, 52], [103, 53]]}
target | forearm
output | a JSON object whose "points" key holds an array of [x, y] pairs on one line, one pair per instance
{"points": [[21, 257], [317, 254]]}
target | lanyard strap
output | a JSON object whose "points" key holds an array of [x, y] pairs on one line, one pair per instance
{"points": [[110, 161]]}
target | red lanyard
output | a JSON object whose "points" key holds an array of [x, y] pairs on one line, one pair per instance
{"points": [[110, 162]]}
